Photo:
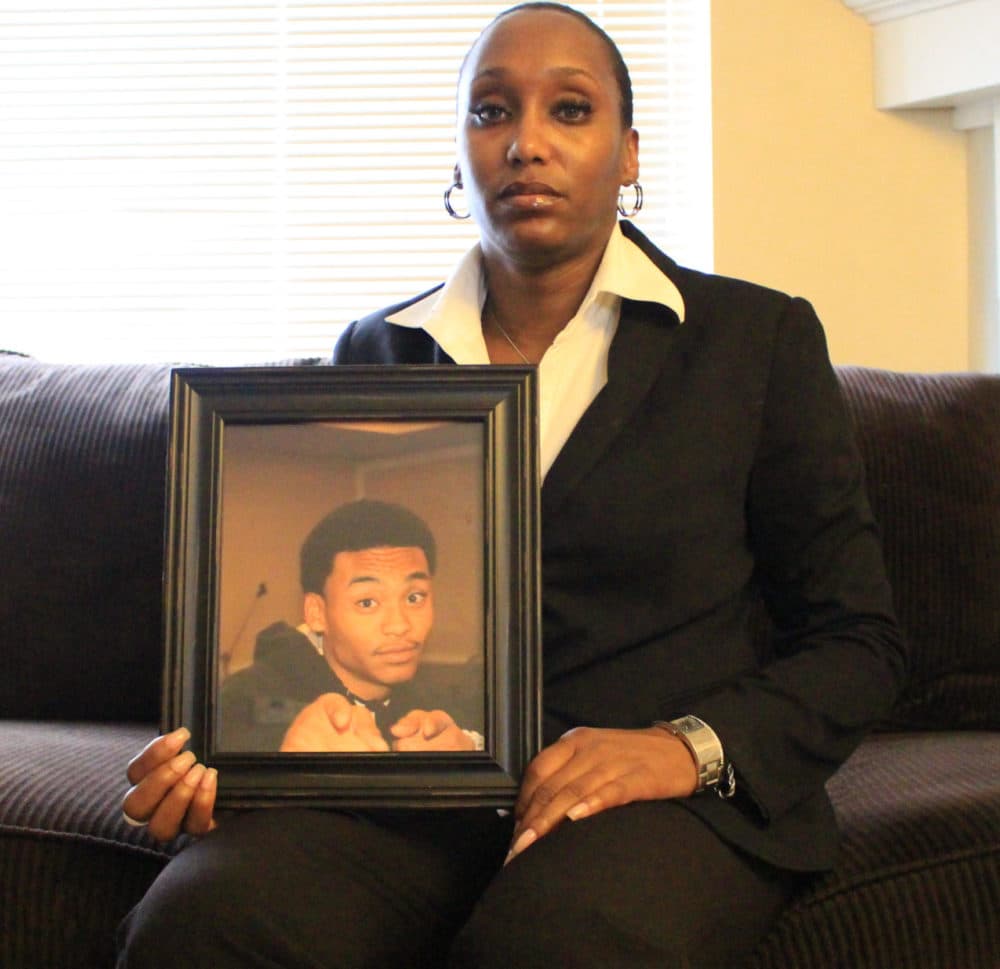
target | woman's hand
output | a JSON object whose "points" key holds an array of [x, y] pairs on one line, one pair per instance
{"points": [[589, 770], [429, 730], [333, 724], [170, 790]]}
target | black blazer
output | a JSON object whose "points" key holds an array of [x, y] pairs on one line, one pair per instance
{"points": [[716, 468]]}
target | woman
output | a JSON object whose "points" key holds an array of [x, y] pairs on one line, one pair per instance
{"points": [[695, 454]]}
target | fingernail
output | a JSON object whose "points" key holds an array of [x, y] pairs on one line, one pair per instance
{"points": [[209, 781], [526, 839], [578, 811], [193, 777], [181, 734], [182, 762]]}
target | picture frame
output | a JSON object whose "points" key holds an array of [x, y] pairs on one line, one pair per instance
{"points": [[257, 455]]}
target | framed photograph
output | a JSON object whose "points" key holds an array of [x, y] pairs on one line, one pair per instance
{"points": [[352, 583]]}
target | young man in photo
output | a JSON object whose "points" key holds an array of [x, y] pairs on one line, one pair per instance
{"points": [[348, 678]]}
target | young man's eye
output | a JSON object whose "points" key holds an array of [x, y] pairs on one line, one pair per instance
{"points": [[573, 110], [367, 603], [486, 113], [415, 598]]}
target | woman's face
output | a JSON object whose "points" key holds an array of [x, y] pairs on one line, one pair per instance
{"points": [[542, 150]]}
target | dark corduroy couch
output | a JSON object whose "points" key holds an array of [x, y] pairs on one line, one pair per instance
{"points": [[82, 456]]}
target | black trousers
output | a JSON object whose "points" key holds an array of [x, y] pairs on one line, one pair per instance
{"points": [[646, 885]]}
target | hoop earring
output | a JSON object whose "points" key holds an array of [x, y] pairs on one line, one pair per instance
{"points": [[636, 205], [447, 202]]}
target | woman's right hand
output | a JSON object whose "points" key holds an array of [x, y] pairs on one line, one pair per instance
{"points": [[170, 791]]}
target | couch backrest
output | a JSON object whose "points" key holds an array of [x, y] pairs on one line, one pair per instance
{"points": [[931, 446], [82, 465], [82, 471]]}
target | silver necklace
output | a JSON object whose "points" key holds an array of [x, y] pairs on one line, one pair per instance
{"points": [[493, 317]]}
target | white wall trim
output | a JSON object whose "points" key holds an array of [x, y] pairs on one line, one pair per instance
{"points": [[975, 114], [878, 11], [942, 56]]}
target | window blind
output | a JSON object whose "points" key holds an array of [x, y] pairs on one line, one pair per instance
{"points": [[225, 181]]}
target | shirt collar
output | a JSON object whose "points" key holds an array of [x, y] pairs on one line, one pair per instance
{"points": [[451, 314], [626, 271]]}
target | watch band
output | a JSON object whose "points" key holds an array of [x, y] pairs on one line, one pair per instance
{"points": [[706, 749]]}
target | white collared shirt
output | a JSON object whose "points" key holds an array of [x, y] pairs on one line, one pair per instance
{"points": [[574, 369]]}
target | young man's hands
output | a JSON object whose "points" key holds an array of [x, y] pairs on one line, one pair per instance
{"points": [[429, 730], [334, 724]]}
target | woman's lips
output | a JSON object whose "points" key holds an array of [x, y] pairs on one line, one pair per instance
{"points": [[530, 196], [527, 188]]}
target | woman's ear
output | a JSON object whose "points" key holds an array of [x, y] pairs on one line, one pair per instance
{"points": [[630, 157], [314, 612]]}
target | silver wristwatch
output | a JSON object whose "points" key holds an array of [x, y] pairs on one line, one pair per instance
{"points": [[706, 749]]}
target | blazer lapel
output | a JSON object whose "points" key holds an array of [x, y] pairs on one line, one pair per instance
{"points": [[639, 351]]}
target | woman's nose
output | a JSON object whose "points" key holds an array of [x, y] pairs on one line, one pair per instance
{"points": [[530, 143]]}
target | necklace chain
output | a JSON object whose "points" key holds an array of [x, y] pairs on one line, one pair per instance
{"points": [[491, 314]]}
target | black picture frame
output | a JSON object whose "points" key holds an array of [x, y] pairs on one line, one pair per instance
{"points": [[212, 410]]}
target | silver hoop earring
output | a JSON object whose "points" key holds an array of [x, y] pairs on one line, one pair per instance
{"points": [[636, 204], [447, 201]]}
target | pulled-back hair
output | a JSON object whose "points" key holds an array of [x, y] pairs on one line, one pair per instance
{"points": [[356, 526], [618, 64]]}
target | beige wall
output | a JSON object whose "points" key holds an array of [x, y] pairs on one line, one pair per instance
{"points": [[817, 193]]}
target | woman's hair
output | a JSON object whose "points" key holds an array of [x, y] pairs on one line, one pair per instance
{"points": [[618, 64]]}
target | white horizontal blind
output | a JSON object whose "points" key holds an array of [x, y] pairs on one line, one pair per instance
{"points": [[234, 180]]}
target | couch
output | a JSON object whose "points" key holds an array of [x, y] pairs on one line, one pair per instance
{"points": [[82, 458]]}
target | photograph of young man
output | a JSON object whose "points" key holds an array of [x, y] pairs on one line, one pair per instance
{"points": [[348, 678]]}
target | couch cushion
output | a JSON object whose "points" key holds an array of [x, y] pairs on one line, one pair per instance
{"points": [[70, 868], [82, 466], [931, 445], [917, 883]]}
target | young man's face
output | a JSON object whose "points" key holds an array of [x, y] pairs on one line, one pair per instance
{"points": [[376, 611]]}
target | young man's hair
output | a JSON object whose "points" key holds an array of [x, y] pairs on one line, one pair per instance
{"points": [[618, 65], [356, 526]]}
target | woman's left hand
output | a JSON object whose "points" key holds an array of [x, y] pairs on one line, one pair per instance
{"points": [[589, 770]]}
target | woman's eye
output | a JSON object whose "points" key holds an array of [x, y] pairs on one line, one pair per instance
{"points": [[488, 113], [573, 110], [415, 598], [365, 603]]}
